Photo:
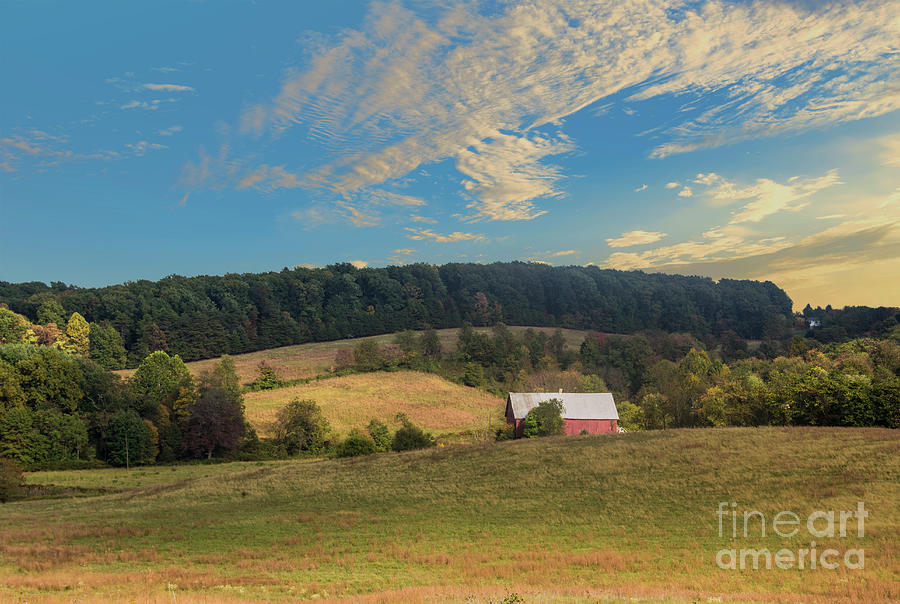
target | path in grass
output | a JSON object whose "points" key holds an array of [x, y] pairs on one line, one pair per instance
{"points": [[562, 519]]}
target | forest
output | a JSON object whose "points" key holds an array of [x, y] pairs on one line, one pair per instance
{"points": [[205, 317]]}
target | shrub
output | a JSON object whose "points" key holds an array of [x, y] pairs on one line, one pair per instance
{"points": [[507, 432], [301, 427], [266, 378], [12, 482], [356, 444], [367, 356], [410, 436], [380, 434], [544, 420]]}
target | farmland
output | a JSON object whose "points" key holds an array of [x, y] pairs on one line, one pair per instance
{"points": [[559, 519]]}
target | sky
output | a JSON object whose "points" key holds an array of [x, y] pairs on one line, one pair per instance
{"points": [[739, 139]]}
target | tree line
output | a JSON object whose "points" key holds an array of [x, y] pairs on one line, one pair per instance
{"points": [[207, 316]]}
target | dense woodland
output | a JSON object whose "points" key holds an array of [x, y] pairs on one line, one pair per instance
{"points": [[60, 405], [203, 317]]}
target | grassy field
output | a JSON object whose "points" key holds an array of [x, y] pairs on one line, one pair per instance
{"points": [[352, 401], [568, 519], [308, 360]]}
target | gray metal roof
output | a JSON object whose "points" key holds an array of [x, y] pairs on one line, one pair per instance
{"points": [[576, 405]]}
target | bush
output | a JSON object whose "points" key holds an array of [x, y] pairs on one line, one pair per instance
{"points": [[356, 444], [301, 427], [367, 356], [507, 432], [380, 434], [266, 378], [410, 436], [12, 482], [544, 420]]}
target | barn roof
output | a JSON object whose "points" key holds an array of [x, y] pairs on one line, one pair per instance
{"points": [[576, 405]]}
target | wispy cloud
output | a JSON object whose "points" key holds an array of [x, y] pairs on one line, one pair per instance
{"points": [[407, 90], [405, 251], [425, 234], [766, 196], [672, 185], [422, 219], [641, 188], [169, 87], [635, 238], [141, 147], [685, 192], [561, 253], [720, 243], [40, 150], [356, 216], [360, 263], [170, 131]]}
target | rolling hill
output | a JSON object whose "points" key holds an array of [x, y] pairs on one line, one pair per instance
{"points": [[309, 360], [567, 519]]}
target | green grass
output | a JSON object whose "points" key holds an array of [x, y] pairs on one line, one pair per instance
{"points": [[563, 519]]}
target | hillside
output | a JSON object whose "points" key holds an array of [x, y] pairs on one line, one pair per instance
{"points": [[352, 401], [571, 519], [203, 317], [316, 358]]}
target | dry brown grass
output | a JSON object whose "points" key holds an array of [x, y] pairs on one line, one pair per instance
{"points": [[354, 400]]}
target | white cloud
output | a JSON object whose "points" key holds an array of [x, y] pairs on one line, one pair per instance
{"points": [[356, 216], [686, 192], [641, 188], [505, 174], [767, 197], [422, 219], [359, 263], [141, 147], [561, 253], [39, 149], [716, 244], [635, 238], [405, 251], [269, 178], [390, 198], [169, 87], [170, 130], [423, 234], [672, 185]]}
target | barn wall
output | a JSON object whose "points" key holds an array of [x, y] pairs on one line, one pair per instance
{"points": [[575, 426], [593, 426]]}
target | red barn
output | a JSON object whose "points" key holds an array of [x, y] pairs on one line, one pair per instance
{"points": [[594, 412]]}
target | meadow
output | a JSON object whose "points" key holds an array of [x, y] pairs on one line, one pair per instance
{"points": [[447, 409], [564, 519]]}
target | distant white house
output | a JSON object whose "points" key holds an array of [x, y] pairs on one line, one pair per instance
{"points": [[812, 322]]}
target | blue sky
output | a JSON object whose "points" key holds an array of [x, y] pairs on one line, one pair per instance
{"points": [[730, 139]]}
